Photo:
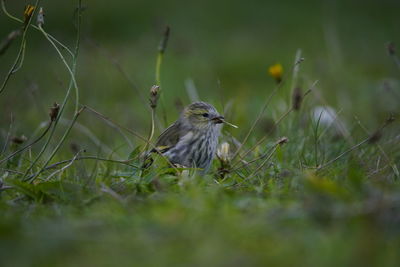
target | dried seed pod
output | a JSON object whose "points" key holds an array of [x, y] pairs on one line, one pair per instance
{"points": [[164, 41], [5, 44], [19, 139], [390, 119], [375, 137], [297, 98], [223, 152], [282, 141], [391, 48], [54, 111], [154, 95], [299, 61], [40, 17]]}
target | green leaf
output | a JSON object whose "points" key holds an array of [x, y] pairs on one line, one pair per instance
{"points": [[135, 152]]}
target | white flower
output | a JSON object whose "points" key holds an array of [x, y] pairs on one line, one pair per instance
{"points": [[223, 152]]}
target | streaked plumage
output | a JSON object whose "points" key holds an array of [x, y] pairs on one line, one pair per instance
{"points": [[192, 140]]}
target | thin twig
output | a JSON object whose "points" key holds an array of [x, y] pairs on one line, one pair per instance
{"points": [[33, 26], [66, 97], [63, 168], [112, 193], [123, 162], [276, 124], [247, 163], [72, 82], [10, 170], [18, 59], [29, 145], [343, 154], [131, 132], [388, 160], [351, 149], [118, 126], [392, 52], [82, 128], [161, 50], [295, 71], [260, 166], [6, 43], [340, 126], [71, 72], [296, 68], [8, 135], [118, 66], [257, 120], [59, 144]]}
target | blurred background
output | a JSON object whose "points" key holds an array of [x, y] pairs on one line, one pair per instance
{"points": [[222, 48], [98, 214]]}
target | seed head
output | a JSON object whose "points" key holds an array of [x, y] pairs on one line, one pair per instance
{"points": [[375, 137], [54, 111], [40, 17], [299, 61], [5, 44], [390, 119], [164, 41], [297, 98], [223, 152], [391, 48], [154, 95], [19, 139], [282, 141]]}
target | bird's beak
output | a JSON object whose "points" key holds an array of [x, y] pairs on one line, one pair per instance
{"points": [[221, 119], [218, 119]]}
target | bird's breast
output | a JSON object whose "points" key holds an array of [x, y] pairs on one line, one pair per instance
{"points": [[195, 149]]}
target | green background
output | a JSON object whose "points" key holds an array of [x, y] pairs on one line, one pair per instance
{"points": [[286, 216]]}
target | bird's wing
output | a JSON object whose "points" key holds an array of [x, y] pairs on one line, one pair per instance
{"points": [[169, 138]]}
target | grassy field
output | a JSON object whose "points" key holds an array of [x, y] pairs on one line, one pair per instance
{"points": [[311, 176]]}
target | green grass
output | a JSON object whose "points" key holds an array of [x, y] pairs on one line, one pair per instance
{"points": [[330, 196]]}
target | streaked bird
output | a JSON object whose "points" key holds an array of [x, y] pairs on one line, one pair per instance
{"points": [[192, 140]]}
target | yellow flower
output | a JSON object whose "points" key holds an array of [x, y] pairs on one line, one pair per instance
{"points": [[28, 12], [276, 72]]}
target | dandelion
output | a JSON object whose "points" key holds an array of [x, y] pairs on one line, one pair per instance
{"points": [[28, 13], [276, 72]]}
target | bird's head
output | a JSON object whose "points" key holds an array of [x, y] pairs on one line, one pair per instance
{"points": [[201, 115]]}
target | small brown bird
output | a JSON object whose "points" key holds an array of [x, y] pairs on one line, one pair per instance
{"points": [[192, 140]]}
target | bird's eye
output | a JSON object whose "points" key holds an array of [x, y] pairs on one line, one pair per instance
{"points": [[205, 115]]}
